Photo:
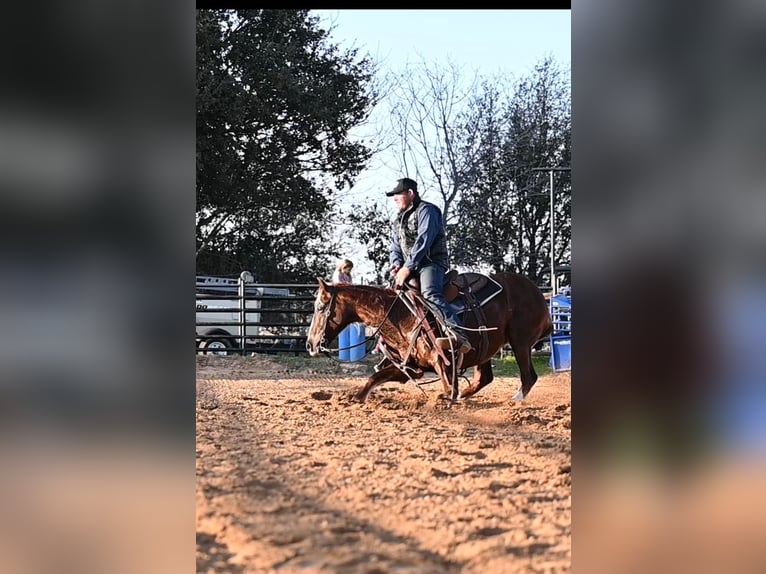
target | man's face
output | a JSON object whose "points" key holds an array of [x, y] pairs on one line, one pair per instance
{"points": [[403, 200]]}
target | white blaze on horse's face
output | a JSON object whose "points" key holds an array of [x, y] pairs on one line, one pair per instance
{"points": [[316, 336]]}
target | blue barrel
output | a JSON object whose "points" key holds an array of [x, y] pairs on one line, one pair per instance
{"points": [[561, 336], [561, 353], [343, 344], [356, 337]]}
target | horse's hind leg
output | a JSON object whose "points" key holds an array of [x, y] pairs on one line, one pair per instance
{"points": [[388, 373], [523, 354], [482, 376]]}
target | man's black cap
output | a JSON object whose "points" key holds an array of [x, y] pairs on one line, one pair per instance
{"points": [[402, 186]]}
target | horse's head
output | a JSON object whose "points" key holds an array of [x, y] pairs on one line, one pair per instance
{"points": [[328, 319]]}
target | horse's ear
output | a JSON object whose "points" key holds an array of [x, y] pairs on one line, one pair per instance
{"points": [[322, 284]]}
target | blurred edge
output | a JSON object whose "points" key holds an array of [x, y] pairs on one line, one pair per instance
{"points": [[668, 381], [96, 154], [96, 393]]}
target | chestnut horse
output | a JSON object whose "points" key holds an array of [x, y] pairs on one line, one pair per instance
{"points": [[516, 314]]}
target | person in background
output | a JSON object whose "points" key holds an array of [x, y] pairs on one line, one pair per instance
{"points": [[342, 272], [419, 248], [351, 338]]}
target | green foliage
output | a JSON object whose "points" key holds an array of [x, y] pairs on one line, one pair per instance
{"points": [[504, 214], [301, 362], [372, 227], [507, 366], [275, 103], [487, 212]]}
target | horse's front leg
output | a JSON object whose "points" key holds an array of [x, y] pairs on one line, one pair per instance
{"points": [[448, 374], [387, 373]]}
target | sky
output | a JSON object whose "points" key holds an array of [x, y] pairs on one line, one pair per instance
{"points": [[509, 42], [489, 40]]}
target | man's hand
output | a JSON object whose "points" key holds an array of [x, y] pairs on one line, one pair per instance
{"points": [[401, 276], [394, 268]]}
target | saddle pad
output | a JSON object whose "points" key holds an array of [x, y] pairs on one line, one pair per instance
{"points": [[484, 288]]}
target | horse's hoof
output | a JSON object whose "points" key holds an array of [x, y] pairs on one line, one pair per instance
{"points": [[445, 398], [518, 396]]}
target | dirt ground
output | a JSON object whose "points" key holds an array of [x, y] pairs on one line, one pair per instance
{"points": [[295, 477]]}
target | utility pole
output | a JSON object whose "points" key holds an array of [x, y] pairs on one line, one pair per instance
{"points": [[550, 171]]}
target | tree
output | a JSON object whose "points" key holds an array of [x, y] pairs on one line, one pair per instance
{"points": [[372, 228], [539, 136], [275, 104], [478, 144], [503, 217], [427, 104], [487, 209]]}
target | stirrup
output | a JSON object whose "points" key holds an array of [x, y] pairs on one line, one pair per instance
{"points": [[461, 345]]}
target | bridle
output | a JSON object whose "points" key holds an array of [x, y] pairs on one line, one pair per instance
{"points": [[327, 310]]}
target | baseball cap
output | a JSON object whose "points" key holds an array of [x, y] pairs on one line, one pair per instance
{"points": [[402, 186]]}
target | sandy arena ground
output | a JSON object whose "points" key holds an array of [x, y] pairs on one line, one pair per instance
{"points": [[295, 477]]}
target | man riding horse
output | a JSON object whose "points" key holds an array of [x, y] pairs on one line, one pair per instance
{"points": [[419, 249]]}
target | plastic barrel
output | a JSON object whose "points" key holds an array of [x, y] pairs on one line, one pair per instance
{"points": [[561, 336], [343, 343], [561, 353], [356, 338]]}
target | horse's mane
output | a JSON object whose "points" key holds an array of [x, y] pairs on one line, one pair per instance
{"points": [[371, 293], [519, 317], [376, 300], [366, 288]]}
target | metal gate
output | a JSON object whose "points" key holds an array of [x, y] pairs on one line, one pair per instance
{"points": [[236, 316]]}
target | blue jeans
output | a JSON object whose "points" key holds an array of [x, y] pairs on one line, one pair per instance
{"points": [[432, 289]]}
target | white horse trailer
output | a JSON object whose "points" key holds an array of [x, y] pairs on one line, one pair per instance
{"points": [[220, 315]]}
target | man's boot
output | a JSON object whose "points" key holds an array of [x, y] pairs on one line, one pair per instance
{"points": [[456, 341]]}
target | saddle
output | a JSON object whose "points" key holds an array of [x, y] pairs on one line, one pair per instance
{"points": [[464, 292], [456, 283], [476, 289], [467, 293]]}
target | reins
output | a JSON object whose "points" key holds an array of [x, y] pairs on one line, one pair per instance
{"points": [[328, 351], [453, 365]]}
